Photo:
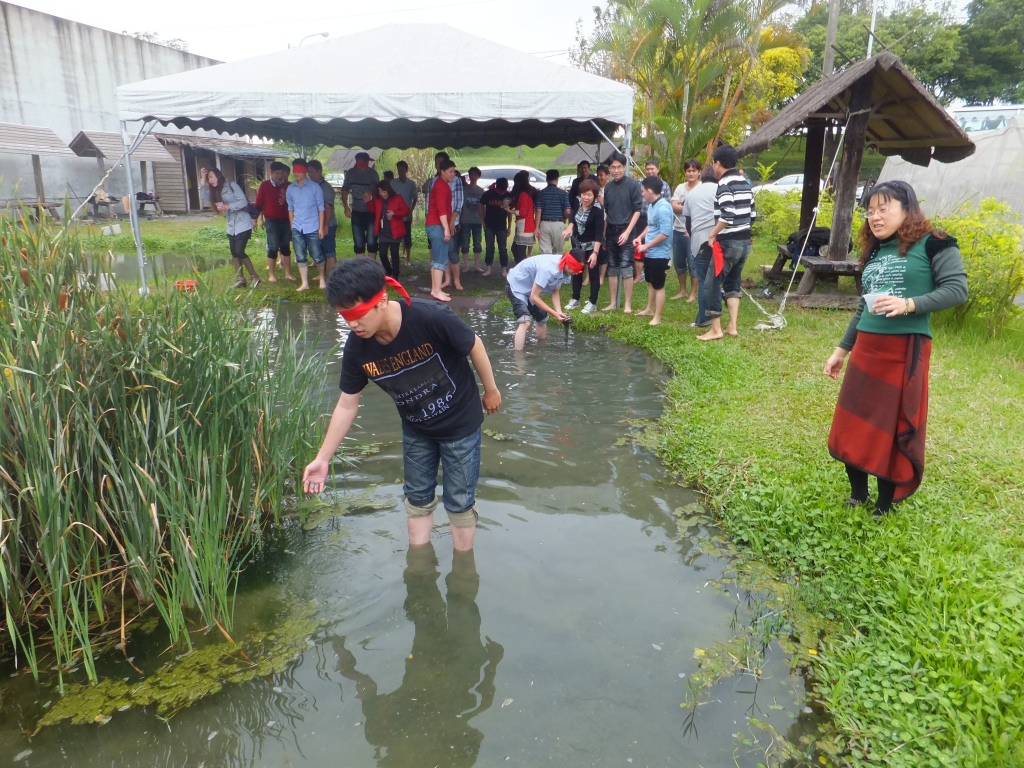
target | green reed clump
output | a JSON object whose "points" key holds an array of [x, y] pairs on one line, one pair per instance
{"points": [[143, 444]]}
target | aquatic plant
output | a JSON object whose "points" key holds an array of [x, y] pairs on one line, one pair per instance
{"points": [[143, 444]]}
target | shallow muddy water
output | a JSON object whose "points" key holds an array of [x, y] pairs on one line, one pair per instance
{"points": [[567, 639]]}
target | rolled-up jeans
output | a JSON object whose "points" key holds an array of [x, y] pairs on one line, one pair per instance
{"points": [[363, 237], [438, 247], [700, 264], [458, 460], [682, 260], [727, 284]]}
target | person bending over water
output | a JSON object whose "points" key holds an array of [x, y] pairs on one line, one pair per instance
{"points": [[530, 280], [416, 352]]}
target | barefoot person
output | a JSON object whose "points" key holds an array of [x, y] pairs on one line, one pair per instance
{"points": [[623, 205], [909, 271], [417, 353], [529, 280], [271, 199], [682, 259], [440, 227], [734, 212], [654, 245], [308, 216]]}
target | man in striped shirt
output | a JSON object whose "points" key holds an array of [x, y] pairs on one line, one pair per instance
{"points": [[734, 214]]}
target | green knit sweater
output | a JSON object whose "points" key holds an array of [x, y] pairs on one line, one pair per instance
{"points": [[932, 274]]}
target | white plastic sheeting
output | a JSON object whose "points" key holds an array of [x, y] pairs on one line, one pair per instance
{"points": [[401, 85], [996, 169]]}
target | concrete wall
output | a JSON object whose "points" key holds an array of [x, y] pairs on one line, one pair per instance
{"points": [[63, 75]]}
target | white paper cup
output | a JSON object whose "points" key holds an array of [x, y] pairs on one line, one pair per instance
{"points": [[869, 300]]}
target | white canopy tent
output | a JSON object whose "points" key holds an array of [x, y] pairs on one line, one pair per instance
{"points": [[400, 85], [994, 170]]}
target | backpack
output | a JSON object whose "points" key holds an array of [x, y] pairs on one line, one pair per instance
{"points": [[817, 240]]}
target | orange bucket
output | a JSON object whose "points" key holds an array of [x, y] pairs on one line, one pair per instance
{"points": [[185, 285]]}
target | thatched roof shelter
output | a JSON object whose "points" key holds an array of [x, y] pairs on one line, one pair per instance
{"points": [[875, 102], [904, 119]]}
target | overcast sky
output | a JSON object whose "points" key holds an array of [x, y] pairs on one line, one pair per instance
{"points": [[238, 30]]}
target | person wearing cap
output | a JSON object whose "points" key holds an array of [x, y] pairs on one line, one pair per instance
{"points": [[328, 243], [530, 280], [422, 355], [355, 193], [308, 217], [272, 200]]}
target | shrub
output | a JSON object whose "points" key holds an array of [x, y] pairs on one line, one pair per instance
{"points": [[991, 239], [143, 443]]}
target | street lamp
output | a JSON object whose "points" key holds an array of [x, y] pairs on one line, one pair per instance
{"points": [[315, 34]]}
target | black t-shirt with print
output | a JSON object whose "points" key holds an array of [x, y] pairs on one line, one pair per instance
{"points": [[495, 216], [425, 369]]}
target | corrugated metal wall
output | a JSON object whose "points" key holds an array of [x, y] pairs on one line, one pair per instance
{"points": [[169, 182]]}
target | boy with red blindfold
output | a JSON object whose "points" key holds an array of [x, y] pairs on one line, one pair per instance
{"points": [[530, 279], [417, 352]]}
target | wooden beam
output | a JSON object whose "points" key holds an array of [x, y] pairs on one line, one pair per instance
{"points": [[37, 171], [849, 168], [813, 153]]}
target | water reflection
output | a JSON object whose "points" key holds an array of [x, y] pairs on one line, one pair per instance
{"points": [[449, 673]]}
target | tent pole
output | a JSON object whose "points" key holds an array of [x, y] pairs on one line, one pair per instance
{"points": [[605, 137], [132, 213], [627, 144]]}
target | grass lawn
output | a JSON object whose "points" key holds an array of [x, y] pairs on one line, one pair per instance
{"points": [[914, 645]]}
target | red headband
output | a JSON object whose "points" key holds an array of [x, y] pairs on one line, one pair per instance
{"points": [[570, 261], [359, 310], [300, 167]]}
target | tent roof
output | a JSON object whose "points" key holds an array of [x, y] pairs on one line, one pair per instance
{"points": [[31, 140], [401, 85], [594, 153], [995, 170], [221, 146], [343, 159], [905, 118], [110, 146]]}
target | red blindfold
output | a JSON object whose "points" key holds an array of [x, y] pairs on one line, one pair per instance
{"points": [[356, 312]]}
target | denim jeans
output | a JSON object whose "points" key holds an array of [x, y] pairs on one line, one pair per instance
{"points": [[438, 247], [453, 247], [501, 237], [328, 245], [727, 284], [459, 461], [700, 263], [470, 232], [363, 238], [682, 260], [307, 243]]}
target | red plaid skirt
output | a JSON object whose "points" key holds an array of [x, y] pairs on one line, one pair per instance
{"points": [[879, 424]]}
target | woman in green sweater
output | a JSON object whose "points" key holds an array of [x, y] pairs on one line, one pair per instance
{"points": [[909, 271]]}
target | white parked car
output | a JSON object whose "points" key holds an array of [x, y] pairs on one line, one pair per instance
{"points": [[791, 182], [491, 173], [785, 184]]}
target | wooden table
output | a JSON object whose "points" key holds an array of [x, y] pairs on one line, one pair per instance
{"points": [[814, 267]]}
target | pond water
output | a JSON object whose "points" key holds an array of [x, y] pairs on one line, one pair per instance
{"points": [[567, 638]]}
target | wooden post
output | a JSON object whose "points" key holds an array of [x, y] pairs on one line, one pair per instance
{"points": [[144, 173], [812, 170], [37, 171], [849, 167]]}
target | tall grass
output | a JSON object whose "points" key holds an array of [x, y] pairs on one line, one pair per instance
{"points": [[144, 442]]}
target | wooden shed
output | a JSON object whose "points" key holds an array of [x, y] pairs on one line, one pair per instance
{"points": [[875, 102], [177, 185], [36, 141]]}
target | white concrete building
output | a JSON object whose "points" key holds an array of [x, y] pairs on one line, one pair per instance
{"points": [[62, 75]]}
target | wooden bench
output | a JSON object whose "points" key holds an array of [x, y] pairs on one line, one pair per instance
{"points": [[52, 208], [814, 268]]}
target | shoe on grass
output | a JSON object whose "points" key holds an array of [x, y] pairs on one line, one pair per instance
{"points": [[589, 308], [572, 305]]}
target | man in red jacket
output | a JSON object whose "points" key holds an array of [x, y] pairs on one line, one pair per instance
{"points": [[273, 205]]}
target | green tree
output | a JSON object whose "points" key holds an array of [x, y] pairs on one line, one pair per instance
{"points": [[992, 53]]}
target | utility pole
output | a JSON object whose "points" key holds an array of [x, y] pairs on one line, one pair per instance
{"points": [[829, 56]]}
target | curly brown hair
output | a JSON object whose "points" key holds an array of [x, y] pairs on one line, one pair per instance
{"points": [[914, 228]]}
